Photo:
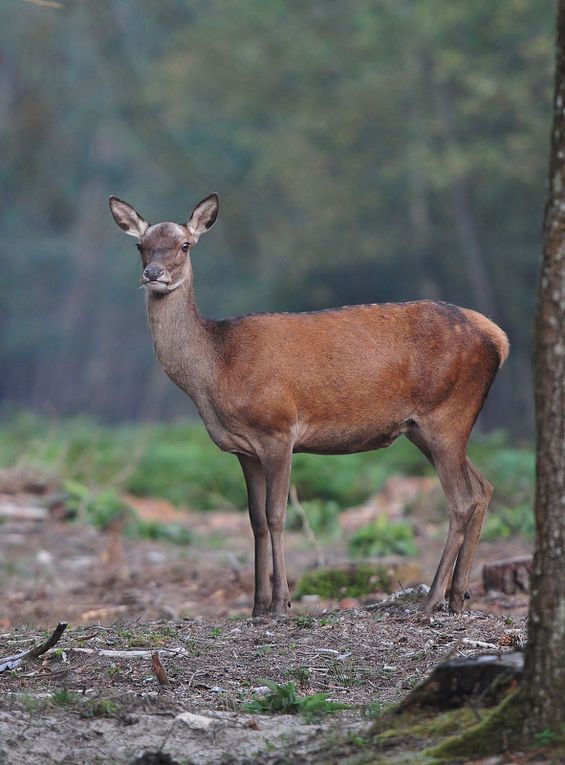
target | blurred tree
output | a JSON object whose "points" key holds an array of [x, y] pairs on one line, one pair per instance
{"points": [[363, 152]]}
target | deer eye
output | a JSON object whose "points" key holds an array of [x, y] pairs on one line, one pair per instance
{"points": [[184, 247]]}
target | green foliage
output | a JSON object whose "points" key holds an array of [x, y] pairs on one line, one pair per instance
{"points": [[504, 522], [166, 532], [383, 537], [100, 508], [103, 507], [100, 708], [178, 462], [544, 737], [322, 515], [302, 675], [352, 581], [284, 699], [373, 710], [304, 622], [62, 697]]}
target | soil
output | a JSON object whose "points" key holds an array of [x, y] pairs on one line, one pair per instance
{"points": [[94, 698]]}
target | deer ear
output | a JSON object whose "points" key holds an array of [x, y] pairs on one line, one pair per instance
{"points": [[127, 218], [204, 215]]}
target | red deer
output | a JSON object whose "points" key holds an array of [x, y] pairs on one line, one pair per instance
{"points": [[337, 381]]}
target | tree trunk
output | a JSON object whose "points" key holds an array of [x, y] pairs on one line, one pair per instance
{"points": [[544, 674]]}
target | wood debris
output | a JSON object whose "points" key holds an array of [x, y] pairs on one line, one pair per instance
{"points": [[12, 662]]}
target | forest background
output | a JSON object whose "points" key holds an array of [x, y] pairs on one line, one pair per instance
{"points": [[363, 152]]}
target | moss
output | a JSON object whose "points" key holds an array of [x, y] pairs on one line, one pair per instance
{"points": [[498, 731], [352, 581]]}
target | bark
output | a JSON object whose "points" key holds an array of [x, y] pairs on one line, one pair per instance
{"points": [[544, 674]]}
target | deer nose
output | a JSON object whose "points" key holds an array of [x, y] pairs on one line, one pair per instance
{"points": [[152, 273]]}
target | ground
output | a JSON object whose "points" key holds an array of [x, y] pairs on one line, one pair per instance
{"points": [[95, 699]]}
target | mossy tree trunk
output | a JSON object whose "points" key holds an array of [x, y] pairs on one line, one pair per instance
{"points": [[544, 676]]}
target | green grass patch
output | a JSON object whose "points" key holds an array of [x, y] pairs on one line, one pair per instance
{"points": [[347, 581], [178, 462], [284, 699], [383, 537]]}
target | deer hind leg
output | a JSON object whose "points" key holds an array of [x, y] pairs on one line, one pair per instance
{"points": [[461, 487], [277, 473], [462, 503], [459, 587], [257, 501]]}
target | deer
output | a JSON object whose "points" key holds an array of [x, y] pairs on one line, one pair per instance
{"points": [[335, 381]]}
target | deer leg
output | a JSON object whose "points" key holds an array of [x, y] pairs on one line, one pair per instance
{"points": [[277, 473], [456, 483], [483, 492], [257, 498]]}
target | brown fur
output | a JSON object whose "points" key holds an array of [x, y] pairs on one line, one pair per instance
{"points": [[330, 382]]}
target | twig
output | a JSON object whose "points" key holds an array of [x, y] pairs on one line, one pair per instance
{"points": [[11, 662], [159, 669]]}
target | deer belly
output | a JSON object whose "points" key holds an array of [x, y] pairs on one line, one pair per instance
{"points": [[340, 440]]}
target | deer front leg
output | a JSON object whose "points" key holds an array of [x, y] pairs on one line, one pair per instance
{"points": [[277, 473], [257, 496]]}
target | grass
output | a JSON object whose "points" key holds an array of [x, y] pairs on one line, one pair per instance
{"points": [[349, 581], [284, 699], [179, 463], [383, 537]]}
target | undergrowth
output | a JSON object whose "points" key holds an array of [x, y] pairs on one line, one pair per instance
{"points": [[284, 699], [179, 463]]}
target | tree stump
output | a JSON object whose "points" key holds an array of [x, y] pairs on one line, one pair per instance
{"points": [[458, 681], [508, 576]]}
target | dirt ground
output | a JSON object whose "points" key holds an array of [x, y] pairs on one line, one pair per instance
{"points": [[95, 698]]}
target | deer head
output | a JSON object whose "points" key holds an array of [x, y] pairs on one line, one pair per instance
{"points": [[165, 247]]}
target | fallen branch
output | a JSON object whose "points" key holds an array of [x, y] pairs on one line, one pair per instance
{"points": [[11, 662], [135, 654], [21, 513]]}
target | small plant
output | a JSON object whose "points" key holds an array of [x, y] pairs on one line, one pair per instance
{"points": [[345, 673], [383, 537], [302, 675], [304, 622], [63, 697], [264, 650], [193, 648], [372, 710], [284, 699], [113, 671], [100, 708], [508, 521], [167, 532], [509, 620], [31, 703], [544, 737], [322, 515], [215, 632], [352, 581]]}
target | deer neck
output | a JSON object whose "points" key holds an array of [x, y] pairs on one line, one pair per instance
{"points": [[182, 340]]}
